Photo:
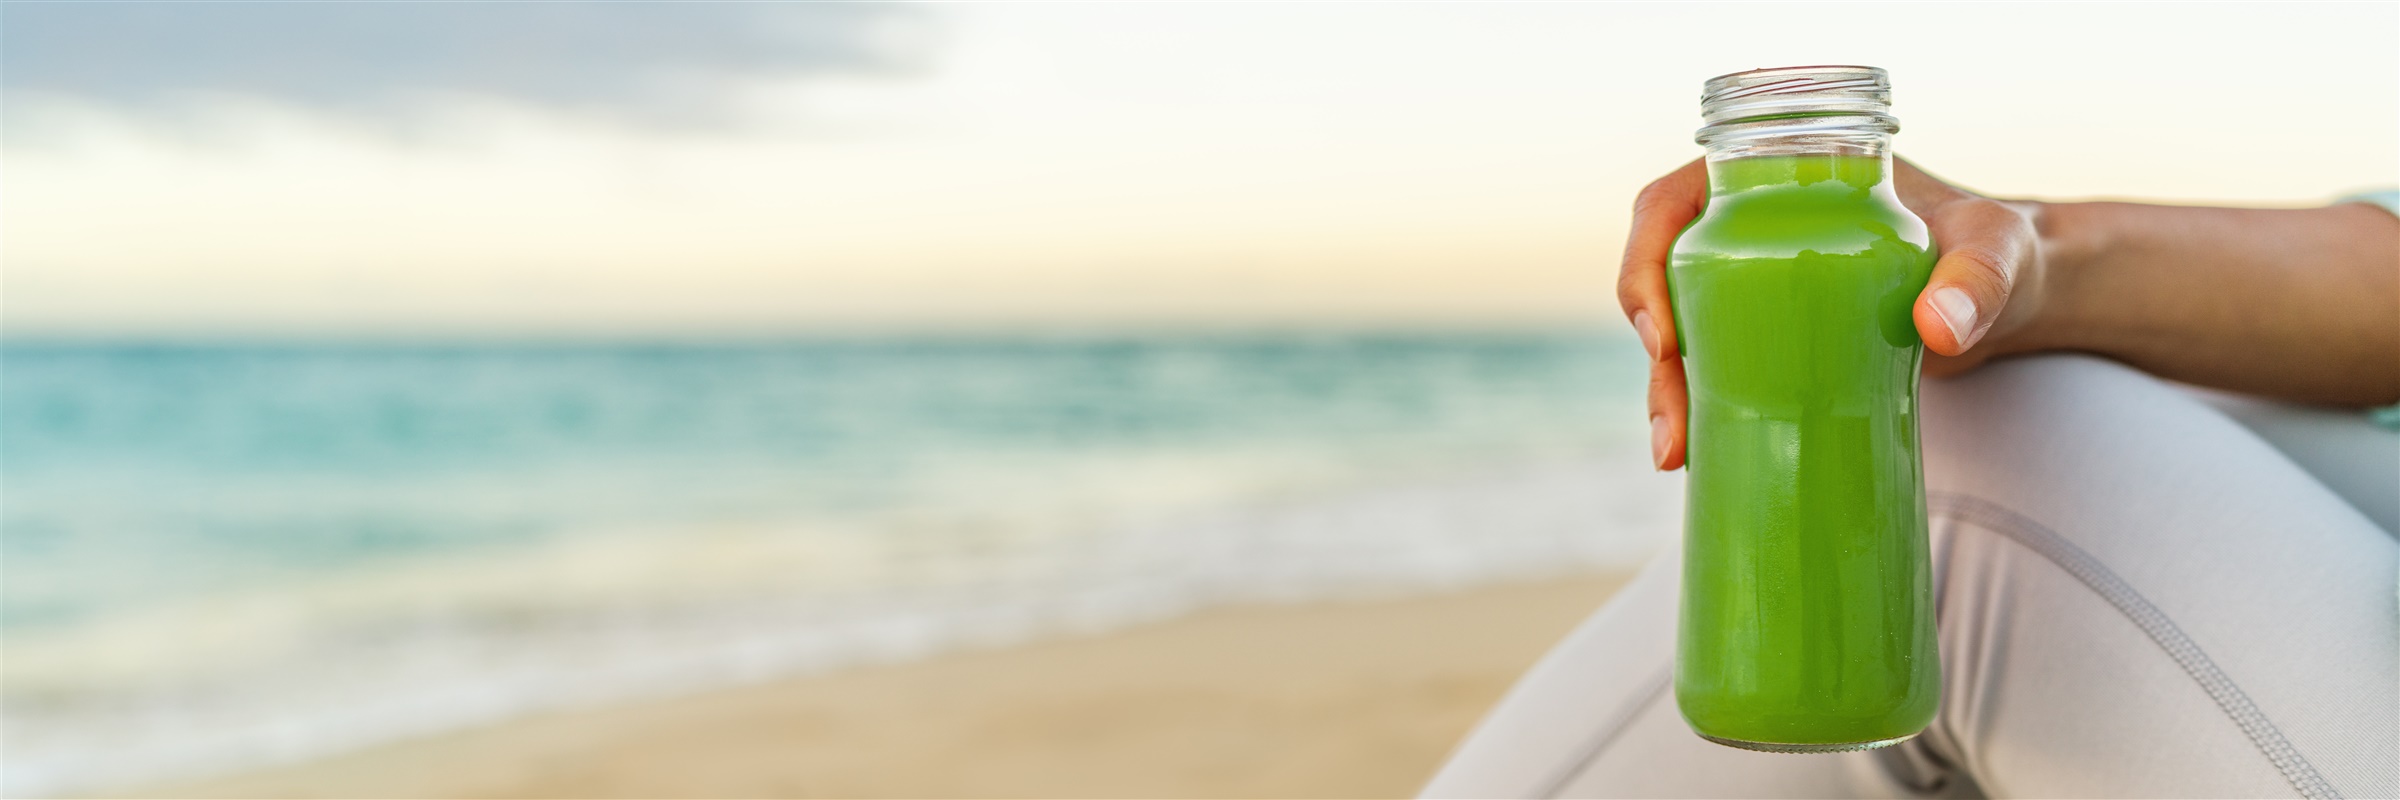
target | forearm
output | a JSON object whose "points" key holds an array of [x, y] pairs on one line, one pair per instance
{"points": [[2298, 304]]}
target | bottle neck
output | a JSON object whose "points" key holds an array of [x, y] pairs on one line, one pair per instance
{"points": [[1730, 174], [1798, 126], [1801, 134]]}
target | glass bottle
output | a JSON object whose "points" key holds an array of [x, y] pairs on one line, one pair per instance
{"points": [[1807, 612]]}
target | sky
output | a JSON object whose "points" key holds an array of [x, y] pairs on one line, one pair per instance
{"points": [[701, 169]]}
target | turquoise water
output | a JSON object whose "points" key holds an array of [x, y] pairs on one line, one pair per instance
{"points": [[399, 522]]}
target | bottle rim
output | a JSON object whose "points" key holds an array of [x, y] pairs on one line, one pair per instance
{"points": [[1788, 100], [1775, 91]]}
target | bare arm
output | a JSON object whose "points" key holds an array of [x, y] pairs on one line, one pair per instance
{"points": [[2295, 304], [2298, 304]]}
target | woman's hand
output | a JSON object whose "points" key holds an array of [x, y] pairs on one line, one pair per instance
{"points": [[1980, 302]]}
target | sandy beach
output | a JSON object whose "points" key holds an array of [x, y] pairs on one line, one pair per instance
{"points": [[1351, 699]]}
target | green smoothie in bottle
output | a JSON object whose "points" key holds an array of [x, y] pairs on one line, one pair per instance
{"points": [[1807, 611]]}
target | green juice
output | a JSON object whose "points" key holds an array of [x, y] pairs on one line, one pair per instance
{"points": [[1807, 617]]}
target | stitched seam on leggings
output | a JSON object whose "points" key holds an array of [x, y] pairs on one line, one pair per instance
{"points": [[1618, 721], [2162, 630]]}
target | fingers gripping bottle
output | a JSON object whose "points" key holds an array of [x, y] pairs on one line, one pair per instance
{"points": [[1807, 616]]}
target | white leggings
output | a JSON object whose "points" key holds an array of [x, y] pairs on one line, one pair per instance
{"points": [[2137, 594]]}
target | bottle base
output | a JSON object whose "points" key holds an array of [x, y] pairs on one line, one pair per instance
{"points": [[1837, 747]]}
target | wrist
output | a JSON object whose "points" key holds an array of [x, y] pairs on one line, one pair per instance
{"points": [[2070, 241]]}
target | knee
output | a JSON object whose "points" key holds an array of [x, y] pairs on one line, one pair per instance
{"points": [[2036, 417]]}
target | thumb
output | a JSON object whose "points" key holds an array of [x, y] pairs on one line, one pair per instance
{"points": [[1983, 244]]}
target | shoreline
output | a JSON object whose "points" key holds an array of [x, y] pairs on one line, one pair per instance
{"points": [[279, 676], [1337, 698]]}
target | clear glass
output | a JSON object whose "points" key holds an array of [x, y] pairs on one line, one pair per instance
{"points": [[1807, 612]]}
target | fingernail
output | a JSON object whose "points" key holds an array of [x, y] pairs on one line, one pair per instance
{"points": [[1648, 330], [1658, 442], [1957, 310]]}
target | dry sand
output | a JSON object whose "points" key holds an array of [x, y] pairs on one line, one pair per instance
{"points": [[1328, 700]]}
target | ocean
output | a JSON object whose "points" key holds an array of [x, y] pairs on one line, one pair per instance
{"points": [[219, 556]]}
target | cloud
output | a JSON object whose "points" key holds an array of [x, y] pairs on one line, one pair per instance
{"points": [[660, 60]]}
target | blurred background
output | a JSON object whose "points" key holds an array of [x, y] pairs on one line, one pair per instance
{"points": [[904, 399]]}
